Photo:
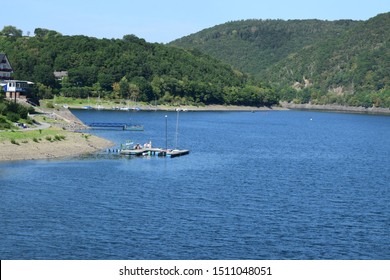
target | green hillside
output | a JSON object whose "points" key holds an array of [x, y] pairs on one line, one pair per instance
{"points": [[344, 62], [127, 68], [255, 45]]}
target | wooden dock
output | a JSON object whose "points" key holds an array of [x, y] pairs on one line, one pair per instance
{"points": [[154, 152], [124, 126]]}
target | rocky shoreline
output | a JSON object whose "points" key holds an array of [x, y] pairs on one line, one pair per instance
{"points": [[336, 108]]}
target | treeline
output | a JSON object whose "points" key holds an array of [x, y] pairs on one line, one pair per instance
{"points": [[324, 62], [127, 68]]}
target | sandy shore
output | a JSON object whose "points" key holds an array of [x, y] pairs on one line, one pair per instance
{"points": [[74, 144]]}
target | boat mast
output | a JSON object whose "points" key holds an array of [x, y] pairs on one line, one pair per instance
{"points": [[177, 127], [166, 132]]}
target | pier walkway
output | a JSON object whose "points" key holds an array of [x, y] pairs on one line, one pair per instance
{"points": [[124, 126], [154, 152]]}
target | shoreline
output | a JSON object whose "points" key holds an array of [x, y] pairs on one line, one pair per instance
{"points": [[189, 108], [76, 143], [284, 106], [336, 108]]}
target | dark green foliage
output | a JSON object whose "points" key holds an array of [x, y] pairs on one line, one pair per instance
{"points": [[344, 62], [12, 112], [4, 124], [13, 117], [129, 68], [11, 31], [255, 45]]}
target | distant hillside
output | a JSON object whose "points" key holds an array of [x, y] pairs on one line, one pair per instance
{"points": [[255, 45], [343, 61], [127, 68]]}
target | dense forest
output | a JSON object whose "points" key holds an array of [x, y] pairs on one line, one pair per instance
{"points": [[127, 68], [323, 62]]}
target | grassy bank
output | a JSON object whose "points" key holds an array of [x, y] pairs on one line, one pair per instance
{"points": [[30, 135]]}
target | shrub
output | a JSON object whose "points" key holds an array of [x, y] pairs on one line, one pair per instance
{"points": [[48, 138], [22, 111], [31, 110], [50, 105], [4, 126], [13, 141], [3, 119], [13, 117], [59, 137]]}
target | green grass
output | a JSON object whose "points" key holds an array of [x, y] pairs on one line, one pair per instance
{"points": [[20, 135], [41, 119]]}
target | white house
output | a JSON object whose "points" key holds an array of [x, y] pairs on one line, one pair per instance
{"points": [[12, 88], [15, 88]]}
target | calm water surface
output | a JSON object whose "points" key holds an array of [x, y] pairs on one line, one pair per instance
{"points": [[264, 185]]}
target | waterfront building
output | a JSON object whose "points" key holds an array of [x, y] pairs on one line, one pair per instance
{"points": [[13, 88]]}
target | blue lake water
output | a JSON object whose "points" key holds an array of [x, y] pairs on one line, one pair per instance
{"points": [[263, 185]]}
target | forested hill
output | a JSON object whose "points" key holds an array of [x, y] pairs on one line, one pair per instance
{"points": [[127, 68], [357, 60], [344, 61], [255, 45]]}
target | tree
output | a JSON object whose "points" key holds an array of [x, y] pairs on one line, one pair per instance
{"points": [[44, 91], [11, 31], [43, 32], [116, 89], [134, 92], [124, 88], [44, 74]]}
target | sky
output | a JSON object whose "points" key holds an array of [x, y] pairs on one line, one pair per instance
{"points": [[166, 20]]}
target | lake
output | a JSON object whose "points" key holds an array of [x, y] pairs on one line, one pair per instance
{"points": [[262, 185]]}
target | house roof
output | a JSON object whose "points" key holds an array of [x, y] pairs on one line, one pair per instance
{"points": [[2, 55], [7, 67], [60, 74]]}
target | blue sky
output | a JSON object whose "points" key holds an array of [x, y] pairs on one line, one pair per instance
{"points": [[164, 21]]}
